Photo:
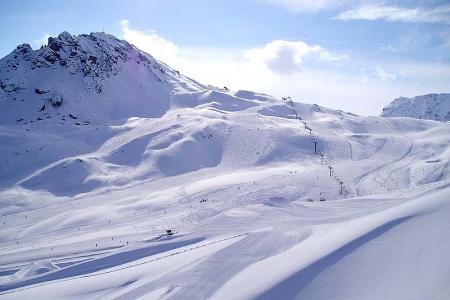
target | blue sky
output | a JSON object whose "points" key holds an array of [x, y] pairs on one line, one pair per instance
{"points": [[350, 55]]}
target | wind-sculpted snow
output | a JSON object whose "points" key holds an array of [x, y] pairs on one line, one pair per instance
{"points": [[121, 178]]}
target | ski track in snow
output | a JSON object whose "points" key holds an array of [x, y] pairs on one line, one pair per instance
{"points": [[372, 175]]}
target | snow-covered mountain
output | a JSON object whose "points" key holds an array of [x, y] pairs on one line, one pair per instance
{"points": [[430, 107], [92, 77], [103, 148]]}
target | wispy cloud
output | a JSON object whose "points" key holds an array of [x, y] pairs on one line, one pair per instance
{"points": [[440, 14], [307, 5], [384, 75], [389, 48], [378, 73]]}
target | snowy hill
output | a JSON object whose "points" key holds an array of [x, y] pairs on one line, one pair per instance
{"points": [[99, 156], [430, 107]]}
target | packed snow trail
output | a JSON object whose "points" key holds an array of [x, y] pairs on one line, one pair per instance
{"points": [[95, 267]]}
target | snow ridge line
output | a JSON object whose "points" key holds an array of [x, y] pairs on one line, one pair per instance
{"points": [[10, 291]]}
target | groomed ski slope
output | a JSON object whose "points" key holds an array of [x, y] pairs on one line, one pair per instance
{"points": [[84, 206], [245, 224], [295, 251]]}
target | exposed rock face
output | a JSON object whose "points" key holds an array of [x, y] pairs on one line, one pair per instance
{"points": [[56, 99]]}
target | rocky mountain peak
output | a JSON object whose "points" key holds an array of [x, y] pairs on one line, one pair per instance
{"points": [[97, 75]]}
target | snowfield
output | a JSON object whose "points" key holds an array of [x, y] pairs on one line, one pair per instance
{"points": [[266, 198]]}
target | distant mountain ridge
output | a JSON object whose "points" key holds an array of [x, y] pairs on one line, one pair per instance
{"points": [[432, 107]]}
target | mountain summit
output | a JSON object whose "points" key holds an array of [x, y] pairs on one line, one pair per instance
{"points": [[93, 77]]}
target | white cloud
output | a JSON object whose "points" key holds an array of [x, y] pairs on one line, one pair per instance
{"points": [[40, 42], [389, 48], [378, 73], [149, 42], [286, 57], [440, 14], [307, 5], [282, 57], [384, 75], [255, 69]]}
